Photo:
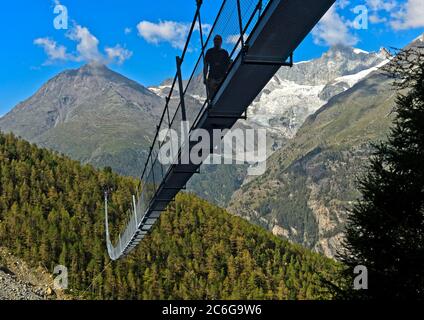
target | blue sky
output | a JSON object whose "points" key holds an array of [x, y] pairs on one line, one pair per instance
{"points": [[140, 38]]}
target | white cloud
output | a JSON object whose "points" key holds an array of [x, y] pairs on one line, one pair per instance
{"points": [[375, 18], [385, 5], [232, 39], [343, 3], [403, 14], [172, 32], [52, 49], [206, 28], [165, 31], [87, 49], [378, 8], [88, 45], [333, 30], [118, 54], [410, 15]]}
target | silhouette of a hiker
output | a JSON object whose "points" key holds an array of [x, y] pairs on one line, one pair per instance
{"points": [[217, 62]]}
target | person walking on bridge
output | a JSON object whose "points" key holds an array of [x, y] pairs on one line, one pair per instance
{"points": [[217, 63]]}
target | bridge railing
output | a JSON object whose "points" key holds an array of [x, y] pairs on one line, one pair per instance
{"points": [[188, 99]]}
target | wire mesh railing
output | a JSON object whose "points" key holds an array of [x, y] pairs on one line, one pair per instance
{"points": [[188, 99]]}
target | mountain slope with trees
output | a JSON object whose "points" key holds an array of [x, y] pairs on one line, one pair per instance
{"points": [[386, 226], [51, 212], [310, 183]]}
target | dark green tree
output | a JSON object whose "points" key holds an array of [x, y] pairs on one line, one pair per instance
{"points": [[385, 232]]}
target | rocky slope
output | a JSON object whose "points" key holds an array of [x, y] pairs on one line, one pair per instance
{"points": [[12, 289], [20, 282]]}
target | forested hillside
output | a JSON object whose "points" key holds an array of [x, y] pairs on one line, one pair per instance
{"points": [[51, 212]]}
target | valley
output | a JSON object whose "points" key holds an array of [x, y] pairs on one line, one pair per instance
{"points": [[320, 116]]}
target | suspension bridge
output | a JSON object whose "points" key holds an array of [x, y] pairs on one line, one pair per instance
{"points": [[261, 36]]}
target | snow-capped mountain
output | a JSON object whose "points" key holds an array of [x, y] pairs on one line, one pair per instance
{"points": [[295, 93]]}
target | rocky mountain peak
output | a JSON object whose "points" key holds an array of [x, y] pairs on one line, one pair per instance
{"points": [[418, 42], [96, 69], [384, 53], [94, 65], [344, 50], [420, 38], [343, 53]]}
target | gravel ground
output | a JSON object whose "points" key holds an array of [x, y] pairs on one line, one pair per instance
{"points": [[20, 282], [12, 288]]}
